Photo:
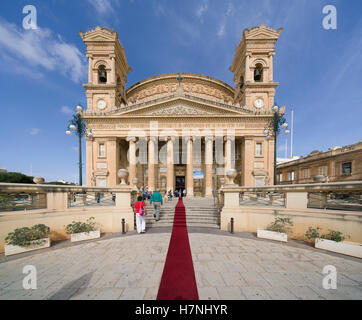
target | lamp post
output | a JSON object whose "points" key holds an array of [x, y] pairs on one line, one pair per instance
{"points": [[78, 125], [273, 129]]}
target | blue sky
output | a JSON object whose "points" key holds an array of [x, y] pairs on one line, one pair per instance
{"points": [[42, 71]]}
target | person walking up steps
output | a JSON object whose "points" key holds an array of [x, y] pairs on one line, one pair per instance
{"points": [[157, 202]]}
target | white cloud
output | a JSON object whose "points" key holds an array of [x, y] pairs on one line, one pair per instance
{"points": [[104, 7], [34, 131], [39, 50], [66, 110], [201, 10], [225, 18], [221, 30]]}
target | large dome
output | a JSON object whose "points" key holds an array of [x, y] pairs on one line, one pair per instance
{"points": [[194, 84]]}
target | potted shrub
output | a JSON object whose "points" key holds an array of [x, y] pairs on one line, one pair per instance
{"points": [[334, 241], [27, 239], [80, 231], [277, 230]]}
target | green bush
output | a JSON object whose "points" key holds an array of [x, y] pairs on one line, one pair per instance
{"points": [[24, 237], [333, 235], [313, 233], [79, 227], [282, 225]]}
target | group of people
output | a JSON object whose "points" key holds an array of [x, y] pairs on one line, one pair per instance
{"points": [[156, 199], [177, 194]]}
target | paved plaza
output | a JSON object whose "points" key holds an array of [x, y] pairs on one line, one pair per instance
{"points": [[226, 266]]}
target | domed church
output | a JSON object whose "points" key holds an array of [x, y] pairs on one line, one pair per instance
{"points": [[180, 131]]}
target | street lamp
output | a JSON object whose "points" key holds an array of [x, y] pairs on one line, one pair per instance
{"points": [[273, 129], [78, 125]]}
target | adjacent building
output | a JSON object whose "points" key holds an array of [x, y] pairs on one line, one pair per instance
{"points": [[336, 164]]}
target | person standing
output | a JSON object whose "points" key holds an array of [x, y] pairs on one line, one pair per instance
{"points": [[140, 210], [157, 202]]}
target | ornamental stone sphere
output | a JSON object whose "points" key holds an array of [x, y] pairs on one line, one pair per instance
{"points": [[123, 175], [38, 180], [231, 173]]}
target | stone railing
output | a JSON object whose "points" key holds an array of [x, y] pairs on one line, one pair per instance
{"points": [[15, 197], [25, 205], [337, 196], [331, 206]]}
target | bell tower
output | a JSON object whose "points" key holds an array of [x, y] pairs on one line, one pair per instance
{"points": [[108, 69], [253, 68]]}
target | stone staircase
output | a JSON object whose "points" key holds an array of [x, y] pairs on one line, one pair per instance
{"points": [[200, 212]]}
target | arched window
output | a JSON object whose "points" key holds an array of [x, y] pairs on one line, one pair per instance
{"points": [[258, 73], [102, 74]]}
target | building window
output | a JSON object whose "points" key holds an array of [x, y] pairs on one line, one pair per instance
{"points": [[305, 173], [291, 176], [280, 177], [322, 171], [102, 150], [347, 168], [258, 73], [258, 149]]}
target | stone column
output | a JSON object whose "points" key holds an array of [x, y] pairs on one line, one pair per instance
{"points": [[271, 54], [247, 67], [151, 164], [248, 162], [113, 71], [228, 155], [190, 168], [90, 161], [90, 69], [170, 164], [208, 165], [113, 161], [132, 159]]}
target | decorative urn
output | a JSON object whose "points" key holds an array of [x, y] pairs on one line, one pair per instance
{"points": [[231, 174], [38, 180], [123, 175]]}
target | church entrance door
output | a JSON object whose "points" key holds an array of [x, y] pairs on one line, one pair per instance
{"points": [[180, 183]]}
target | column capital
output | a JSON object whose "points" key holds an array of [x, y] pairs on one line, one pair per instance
{"points": [[152, 139], [229, 138], [187, 139], [209, 139], [131, 139]]}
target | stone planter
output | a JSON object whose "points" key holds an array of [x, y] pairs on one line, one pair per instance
{"points": [[272, 235], [344, 247], [11, 249], [75, 237]]}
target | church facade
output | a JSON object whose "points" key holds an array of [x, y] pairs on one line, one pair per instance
{"points": [[180, 131]]}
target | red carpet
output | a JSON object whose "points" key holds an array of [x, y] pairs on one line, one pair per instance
{"points": [[178, 280]]}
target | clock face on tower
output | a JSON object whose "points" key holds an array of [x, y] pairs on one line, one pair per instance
{"points": [[101, 104], [259, 103]]}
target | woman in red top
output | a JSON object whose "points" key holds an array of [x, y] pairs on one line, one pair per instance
{"points": [[140, 210]]}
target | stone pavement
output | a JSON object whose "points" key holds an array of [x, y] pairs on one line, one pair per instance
{"points": [[226, 267]]}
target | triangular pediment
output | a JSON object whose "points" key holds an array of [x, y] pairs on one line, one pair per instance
{"points": [[179, 107], [98, 34], [262, 32]]}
